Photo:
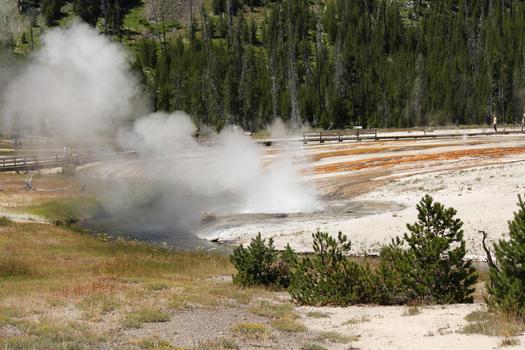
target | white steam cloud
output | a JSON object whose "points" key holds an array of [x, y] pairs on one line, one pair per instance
{"points": [[233, 168], [77, 86]]}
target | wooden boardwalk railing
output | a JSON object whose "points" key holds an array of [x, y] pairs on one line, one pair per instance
{"points": [[29, 163], [339, 135], [373, 134]]}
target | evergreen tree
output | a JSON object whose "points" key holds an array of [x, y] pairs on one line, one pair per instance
{"points": [[51, 11], [507, 278], [433, 268], [328, 277]]}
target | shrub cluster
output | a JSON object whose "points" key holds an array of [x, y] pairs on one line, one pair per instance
{"points": [[427, 265], [328, 276], [262, 264]]}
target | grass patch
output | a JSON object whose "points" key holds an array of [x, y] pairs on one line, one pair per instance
{"points": [[335, 337], [288, 325], [218, 344], [66, 211], [252, 330], [98, 304], [154, 344], [157, 286], [15, 267], [274, 310], [313, 346], [508, 341], [412, 311], [47, 334], [135, 319], [492, 324], [317, 314], [356, 320]]}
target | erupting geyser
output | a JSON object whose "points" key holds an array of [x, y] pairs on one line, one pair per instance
{"points": [[79, 86]]}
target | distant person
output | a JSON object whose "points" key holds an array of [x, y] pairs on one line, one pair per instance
{"points": [[522, 122], [495, 123], [29, 184]]}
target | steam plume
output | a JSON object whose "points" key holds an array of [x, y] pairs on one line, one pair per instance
{"points": [[78, 86]]}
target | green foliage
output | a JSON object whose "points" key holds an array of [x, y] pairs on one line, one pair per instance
{"points": [[346, 63], [88, 10], [427, 265], [5, 221], [507, 279], [51, 11], [261, 264], [433, 268], [66, 211], [328, 277]]}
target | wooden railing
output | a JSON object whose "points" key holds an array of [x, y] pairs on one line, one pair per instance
{"points": [[416, 133], [339, 135], [28, 163]]}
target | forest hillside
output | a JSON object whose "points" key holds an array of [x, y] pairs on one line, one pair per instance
{"points": [[324, 63]]}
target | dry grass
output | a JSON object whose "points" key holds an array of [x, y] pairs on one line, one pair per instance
{"points": [[317, 314], [135, 319], [356, 320], [412, 310], [51, 275], [219, 344], [492, 324], [288, 325], [335, 337], [283, 316], [274, 310], [252, 330], [155, 344], [312, 346], [508, 341]]}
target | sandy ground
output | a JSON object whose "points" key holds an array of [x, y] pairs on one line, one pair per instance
{"points": [[392, 328]]}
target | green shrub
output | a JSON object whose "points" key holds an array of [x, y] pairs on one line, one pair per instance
{"points": [[5, 221], [433, 268], [395, 281], [328, 277], [507, 278], [261, 264]]}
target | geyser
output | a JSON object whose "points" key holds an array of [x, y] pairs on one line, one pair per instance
{"points": [[79, 86]]}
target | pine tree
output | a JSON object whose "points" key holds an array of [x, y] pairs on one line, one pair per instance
{"points": [[507, 278], [329, 277], [51, 11], [436, 241], [433, 269]]}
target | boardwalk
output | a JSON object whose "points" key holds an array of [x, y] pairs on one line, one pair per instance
{"points": [[30, 163], [357, 135]]}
